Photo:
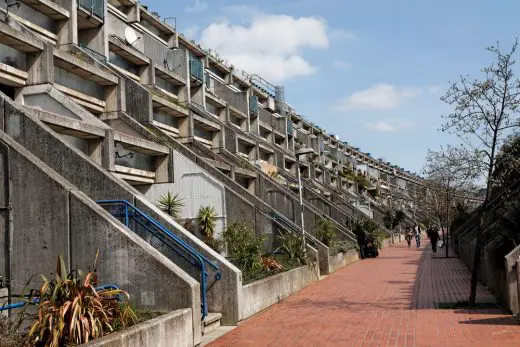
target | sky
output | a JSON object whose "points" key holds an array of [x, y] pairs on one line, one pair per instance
{"points": [[371, 72]]}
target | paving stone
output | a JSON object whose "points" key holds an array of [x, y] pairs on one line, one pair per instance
{"points": [[387, 301]]}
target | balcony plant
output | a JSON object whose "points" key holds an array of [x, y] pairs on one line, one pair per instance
{"points": [[326, 232], [171, 204], [207, 218]]}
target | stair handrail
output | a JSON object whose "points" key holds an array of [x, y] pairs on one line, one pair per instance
{"points": [[199, 258]]}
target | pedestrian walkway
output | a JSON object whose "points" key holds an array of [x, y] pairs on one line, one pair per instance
{"points": [[387, 301]]}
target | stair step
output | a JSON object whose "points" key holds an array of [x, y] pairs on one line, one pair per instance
{"points": [[211, 322]]}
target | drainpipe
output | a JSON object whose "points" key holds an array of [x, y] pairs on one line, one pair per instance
{"points": [[6, 210]]}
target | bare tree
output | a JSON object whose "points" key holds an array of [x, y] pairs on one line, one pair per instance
{"points": [[449, 172], [485, 111]]}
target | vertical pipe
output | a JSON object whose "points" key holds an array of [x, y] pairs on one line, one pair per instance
{"points": [[127, 223]]}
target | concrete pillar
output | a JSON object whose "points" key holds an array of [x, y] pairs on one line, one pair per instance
{"points": [[516, 309], [40, 66], [115, 99], [133, 15], [164, 168], [68, 29], [95, 151], [147, 74], [108, 150], [187, 126]]}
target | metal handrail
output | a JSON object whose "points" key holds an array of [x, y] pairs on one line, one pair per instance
{"points": [[36, 300], [170, 240]]}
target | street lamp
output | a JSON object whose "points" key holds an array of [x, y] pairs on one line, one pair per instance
{"points": [[300, 152]]}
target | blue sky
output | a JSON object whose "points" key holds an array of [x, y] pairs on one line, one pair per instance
{"points": [[371, 72]]}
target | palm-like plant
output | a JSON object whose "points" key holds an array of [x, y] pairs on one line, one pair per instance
{"points": [[72, 312], [207, 220], [171, 204], [326, 232]]}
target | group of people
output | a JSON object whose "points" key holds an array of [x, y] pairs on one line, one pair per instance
{"points": [[416, 231]]}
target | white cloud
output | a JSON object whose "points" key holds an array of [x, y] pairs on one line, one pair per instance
{"points": [[191, 32], [382, 96], [196, 7], [341, 64], [270, 45], [386, 127]]}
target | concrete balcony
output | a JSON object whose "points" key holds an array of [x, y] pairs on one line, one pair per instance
{"points": [[49, 8]]}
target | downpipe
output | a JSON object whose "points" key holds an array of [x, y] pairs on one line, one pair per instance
{"points": [[7, 212]]}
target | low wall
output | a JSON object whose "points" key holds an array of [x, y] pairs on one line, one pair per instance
{"points": [[341, 259], [512, 286], [171, 329], [261, 294]]}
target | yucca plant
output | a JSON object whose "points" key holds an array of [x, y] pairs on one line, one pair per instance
{"points": [[326, 232], [293, 246], [72, 312], [207, 220], [171, 204]]}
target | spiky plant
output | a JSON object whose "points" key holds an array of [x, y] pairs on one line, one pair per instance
{"points": [[207, 218], [72, 312], [326, 232], [171, 204]]}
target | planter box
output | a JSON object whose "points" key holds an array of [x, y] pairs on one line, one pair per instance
{"points": [[261, 294], [339, 260], [171, 329]]}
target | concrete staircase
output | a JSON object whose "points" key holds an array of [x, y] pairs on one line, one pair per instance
{"points": [[211, 322]]}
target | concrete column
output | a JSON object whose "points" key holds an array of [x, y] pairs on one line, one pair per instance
{"points": [[95, 151], [68, 29], [133, 15], [115, 97], [108, 150], [40, 66], [516, 309], [187, 126], [163, 167], [146, 74]]}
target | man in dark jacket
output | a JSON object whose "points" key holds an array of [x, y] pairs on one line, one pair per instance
{"points": [[434, 237]]}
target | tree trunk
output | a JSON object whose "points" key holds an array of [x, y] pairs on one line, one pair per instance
{"points": [[476, 259]]}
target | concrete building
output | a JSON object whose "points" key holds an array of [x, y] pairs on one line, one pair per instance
{"points": [[103, 100]]}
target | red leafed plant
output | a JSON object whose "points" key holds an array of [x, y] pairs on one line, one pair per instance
{"points": [[270, 263], [72, 312]]}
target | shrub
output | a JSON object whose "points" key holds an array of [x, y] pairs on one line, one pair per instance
{"points": [[244, 246], [171, 204], [207, 218], [326, 232], [370, 230], [293, 246], [71, 311]]}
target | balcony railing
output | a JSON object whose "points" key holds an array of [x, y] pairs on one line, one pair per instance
{"points": [[253, 106], [196, 69], [95, 7]]}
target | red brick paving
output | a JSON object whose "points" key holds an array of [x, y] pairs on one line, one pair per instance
{"points": [[386, 301]]}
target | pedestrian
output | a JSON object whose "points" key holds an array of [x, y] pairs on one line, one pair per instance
{"points": [[408, 236], [417, 234], [434, 238]]}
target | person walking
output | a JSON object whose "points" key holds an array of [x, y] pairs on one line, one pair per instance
{"points": [[408, 236], [417, 234], [434, 238]]}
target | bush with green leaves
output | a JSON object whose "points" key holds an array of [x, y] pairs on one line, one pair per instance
{"points": [[370, 229], [171, 204], [244, 246], [326, 232], [392, 219], [293, 246]]}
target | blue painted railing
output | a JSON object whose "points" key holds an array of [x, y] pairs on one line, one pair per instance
{"points": [[181, 253], [36, 300]]}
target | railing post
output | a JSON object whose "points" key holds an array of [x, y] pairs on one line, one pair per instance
{"points": [[127, 222]]}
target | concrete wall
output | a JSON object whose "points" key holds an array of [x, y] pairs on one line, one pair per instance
{"points": [[196, 187], [51, 217], [99, 184], [512, 279], [341, 259], [171, 329], [268, 291]]}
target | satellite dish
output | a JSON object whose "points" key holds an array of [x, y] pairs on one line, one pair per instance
{"points": [[130, 36], [168, 59]]}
